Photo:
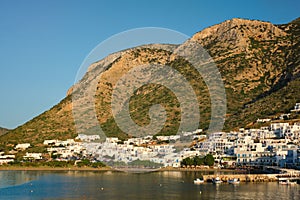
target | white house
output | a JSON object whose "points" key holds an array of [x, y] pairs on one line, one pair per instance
{"points": [[33, 156], [87, 138], [22, 146], [263, 120], [279, 128], [50, 142], [4, 159], [296, 108]]}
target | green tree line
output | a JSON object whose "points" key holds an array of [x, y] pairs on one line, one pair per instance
{"points": [[197, 160]]}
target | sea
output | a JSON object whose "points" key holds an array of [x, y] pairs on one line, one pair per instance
{"points": [[113, 185]]}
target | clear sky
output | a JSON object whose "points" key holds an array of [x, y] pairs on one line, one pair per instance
{"points": [[43, 43]]}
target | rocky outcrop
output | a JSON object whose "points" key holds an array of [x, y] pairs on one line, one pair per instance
{"points": [[3, 131]]}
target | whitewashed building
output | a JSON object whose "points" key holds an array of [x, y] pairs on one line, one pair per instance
{"points": [[33, 156], [22, 146]]}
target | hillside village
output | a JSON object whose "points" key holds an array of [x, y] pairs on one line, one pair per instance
{"points": [[274, 145]]}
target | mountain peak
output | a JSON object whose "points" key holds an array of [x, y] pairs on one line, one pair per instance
{"points": [[237, 31], [236, 36]]}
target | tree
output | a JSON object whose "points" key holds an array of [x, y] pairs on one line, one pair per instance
{"points": [[54, 156], [84, 162], [209, 160], [187, 161], [97, 165], [198, 160]]}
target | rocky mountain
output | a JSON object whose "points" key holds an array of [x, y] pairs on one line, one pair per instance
{"points": [[3, 131], [258, 62]]}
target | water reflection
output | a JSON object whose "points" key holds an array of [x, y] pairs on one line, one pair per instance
{"points": [[12, 178], [121, 185]]}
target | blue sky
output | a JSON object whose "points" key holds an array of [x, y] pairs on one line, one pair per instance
{"points": [[43, 43]]}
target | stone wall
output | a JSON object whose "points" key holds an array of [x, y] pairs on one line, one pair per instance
{"points": [[244, 177]]}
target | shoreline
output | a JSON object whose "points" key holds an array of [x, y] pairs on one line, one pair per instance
{"points": [[207, 177], [18, 168], [13, 168], [199, 169]]}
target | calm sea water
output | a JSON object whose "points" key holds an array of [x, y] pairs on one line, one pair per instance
{"points": [[119, 185]]}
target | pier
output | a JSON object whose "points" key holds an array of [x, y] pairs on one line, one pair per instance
{"points": [[253, 177]]}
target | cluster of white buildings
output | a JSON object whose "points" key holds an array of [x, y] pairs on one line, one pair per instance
{"points": [[64, 150], [111, 151], [144, 149], [277, 145]]}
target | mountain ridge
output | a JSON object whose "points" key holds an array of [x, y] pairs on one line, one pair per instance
{"points": [[3, 130], [258, 61]]}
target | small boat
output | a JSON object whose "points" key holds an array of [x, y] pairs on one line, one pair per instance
{"points": [[234, 181], [287, 182], [198, 181], [217, 180], [293, 183]]}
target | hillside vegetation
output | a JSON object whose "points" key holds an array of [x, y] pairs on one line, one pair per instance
{"points": [[258, 61]]}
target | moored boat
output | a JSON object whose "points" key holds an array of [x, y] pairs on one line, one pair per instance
{"points": [[217, 180], [198, 181], [287, 182], [234, 181]]}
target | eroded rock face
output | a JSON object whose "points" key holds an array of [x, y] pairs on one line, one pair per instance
{"points": [[250, 50], [236, 33]]}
